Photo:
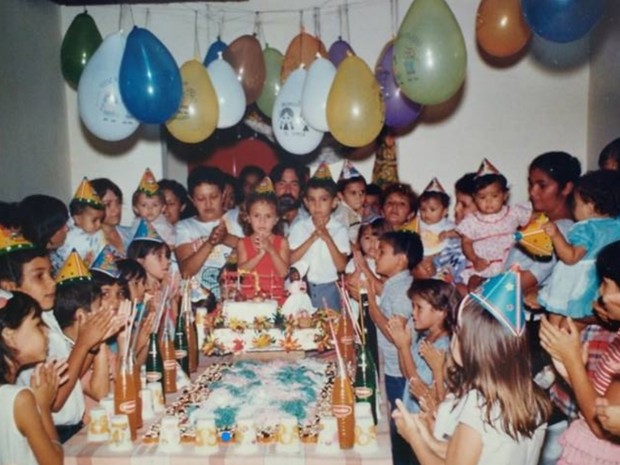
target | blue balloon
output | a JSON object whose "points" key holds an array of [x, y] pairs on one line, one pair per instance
{"points": [[149, 78], [562, 20], [214, 51]]}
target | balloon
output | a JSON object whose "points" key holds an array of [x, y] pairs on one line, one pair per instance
{"points": [[230, 96], [79, 44], [302, 49], [399, 110], [339, 51], [558, 56], [316, 89], [149, 78], [429, 53], [245, 56], [100, 104], [289, 128], [273, 64], [501, 30], [562, 20], [355, 111], [197, 116], [218, 47]]}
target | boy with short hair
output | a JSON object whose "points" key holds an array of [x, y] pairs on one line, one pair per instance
{"points": [[352, 193], [399, 253], [321, 240]]}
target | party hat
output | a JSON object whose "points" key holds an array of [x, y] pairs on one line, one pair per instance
{"points": [[349, 171], [412, 226], [435, 186], [323, 173], [501, 296], [148, 184], [486, 167], [5, 296], [106, 261], [385, 169], [533, 239], [11, 241], [146, 232], [74, 269], [86, 194], [265, 186]]}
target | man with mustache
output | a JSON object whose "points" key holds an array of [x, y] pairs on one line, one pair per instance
{"points": [[288, 180]]}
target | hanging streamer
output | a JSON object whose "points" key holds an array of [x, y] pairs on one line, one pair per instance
{"points": [[197, 53], [317, 22]]}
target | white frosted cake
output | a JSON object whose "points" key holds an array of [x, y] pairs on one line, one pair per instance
{"points": [[248, 310]]}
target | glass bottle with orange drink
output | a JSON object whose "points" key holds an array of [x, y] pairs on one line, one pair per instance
{"points": [[125, 394], [343, 403]]}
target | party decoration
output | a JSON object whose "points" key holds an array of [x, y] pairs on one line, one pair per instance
{"points": [[562, 20], [150, 80], [273, 64], [434, 186], [290, 129], [486, 167], [399, 110], [11, 241], [100, 105], [355, 110], [501, 30], [216, 49], [85, 194], [245, 56], [385, 168], [316, 90], [146, 232], [73, 270], [558, 56], [197, 116], [323, 173], [339, 50], [78, 46], [106, 261], [148, 184], [429, 53], [303, 49], [533, 239], [230, 95], [348, 171], [265, 187]]}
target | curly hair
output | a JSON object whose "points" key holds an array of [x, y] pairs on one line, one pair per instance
{"points": [[602, 189]]}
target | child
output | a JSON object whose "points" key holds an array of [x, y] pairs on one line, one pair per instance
{"points": [[572, 286], [351, 192], [433, 213], [27, 434], [85, 234], [496, 414], [263, 250], [464, 190], [586, 442], [321, 241], [44, 220], [421, 359], [150, 251], [399, 253], [148, 204], [372, 202], [399, 205], [609, 158], [132, 279], [486, 235], [203, 242], [177, 205]]}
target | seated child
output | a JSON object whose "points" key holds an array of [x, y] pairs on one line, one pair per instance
{"points": [[351, 192], [487, 235], [85, 234], [434, 222], [321, 241]]}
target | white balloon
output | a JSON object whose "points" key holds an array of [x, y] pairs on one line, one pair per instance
{"points": [[316, 89], [229, 91], [100, 104], [290, 129]]}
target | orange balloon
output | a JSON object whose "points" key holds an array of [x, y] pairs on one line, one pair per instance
{"points": [[302, 49], [501, 30], [245, 55]]}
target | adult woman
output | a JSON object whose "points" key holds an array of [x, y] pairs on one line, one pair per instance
{"points": [[400, 204], [116, 235], [44, 220]]}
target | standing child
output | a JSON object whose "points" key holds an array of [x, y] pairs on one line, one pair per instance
{"points": [[495, 414], [27, 434], [352, 193], [487, 235], [263, 250], [573, 283], [320, 240]]}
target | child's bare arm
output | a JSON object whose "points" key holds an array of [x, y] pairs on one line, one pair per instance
{"points": [[339, 258], [564, 250], [468, 250], [245, 263], [99, 385], [299, 252], [280, 257]]}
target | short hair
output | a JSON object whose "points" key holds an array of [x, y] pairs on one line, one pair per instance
{"points": [[140, 248], [70, 297], [328, 184], [102, 185], [205, 175], [78, 207], [373, 189], [248, 170], [343, 183], [129, 269], [559, 166], [138, 192], [442, 197], [407, 243], [101, 279], [42, 216], [486, 180], [10, 215], [440, 295], [404, 190], [602, 189], [299, 169], [608, 262], [610, 152], [466, 184], [12, 263]]}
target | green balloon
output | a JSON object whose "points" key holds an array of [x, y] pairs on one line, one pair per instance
{"points": [[430, 58], [80, 42], [273, 64]]}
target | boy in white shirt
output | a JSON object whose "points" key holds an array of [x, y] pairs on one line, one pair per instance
{"points": [[352, 193]]}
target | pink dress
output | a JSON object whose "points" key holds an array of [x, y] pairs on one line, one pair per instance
{"points": [[493, 236]]}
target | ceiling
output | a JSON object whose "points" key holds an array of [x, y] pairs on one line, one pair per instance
{"points": [[127, 2]]}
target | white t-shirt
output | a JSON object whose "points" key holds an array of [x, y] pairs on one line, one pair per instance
{"points": [[321, 268], [14, 447]]}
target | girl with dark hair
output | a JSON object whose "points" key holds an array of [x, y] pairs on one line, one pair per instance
{"points": [[44, 220]]}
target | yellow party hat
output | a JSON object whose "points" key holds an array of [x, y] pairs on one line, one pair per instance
{"points": [[11, 241], [86, 194], [533, 239], [74, 269], [148, 184], [323, 173], [413, 225], [265, 186]]}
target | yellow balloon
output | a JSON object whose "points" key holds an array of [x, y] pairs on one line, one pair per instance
{"points": [[197, 116], [355, 109]]}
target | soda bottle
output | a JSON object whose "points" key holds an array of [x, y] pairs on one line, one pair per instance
{"points": [[154, 362], [125, 394], [190, 328], [170, 364], [368, 326], [181, 352], [365, 385], [346, 341], [343, 401], [135, 369]]}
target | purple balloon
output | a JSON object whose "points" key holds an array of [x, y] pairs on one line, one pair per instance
{"points": [[339, 51], [399, 110]]}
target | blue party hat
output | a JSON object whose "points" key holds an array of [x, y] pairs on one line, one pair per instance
{"points": [[349, 172], [106, 261], [501, 296], [146, 232]]}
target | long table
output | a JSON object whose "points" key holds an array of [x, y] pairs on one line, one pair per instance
{"points": [[78, 451]]}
